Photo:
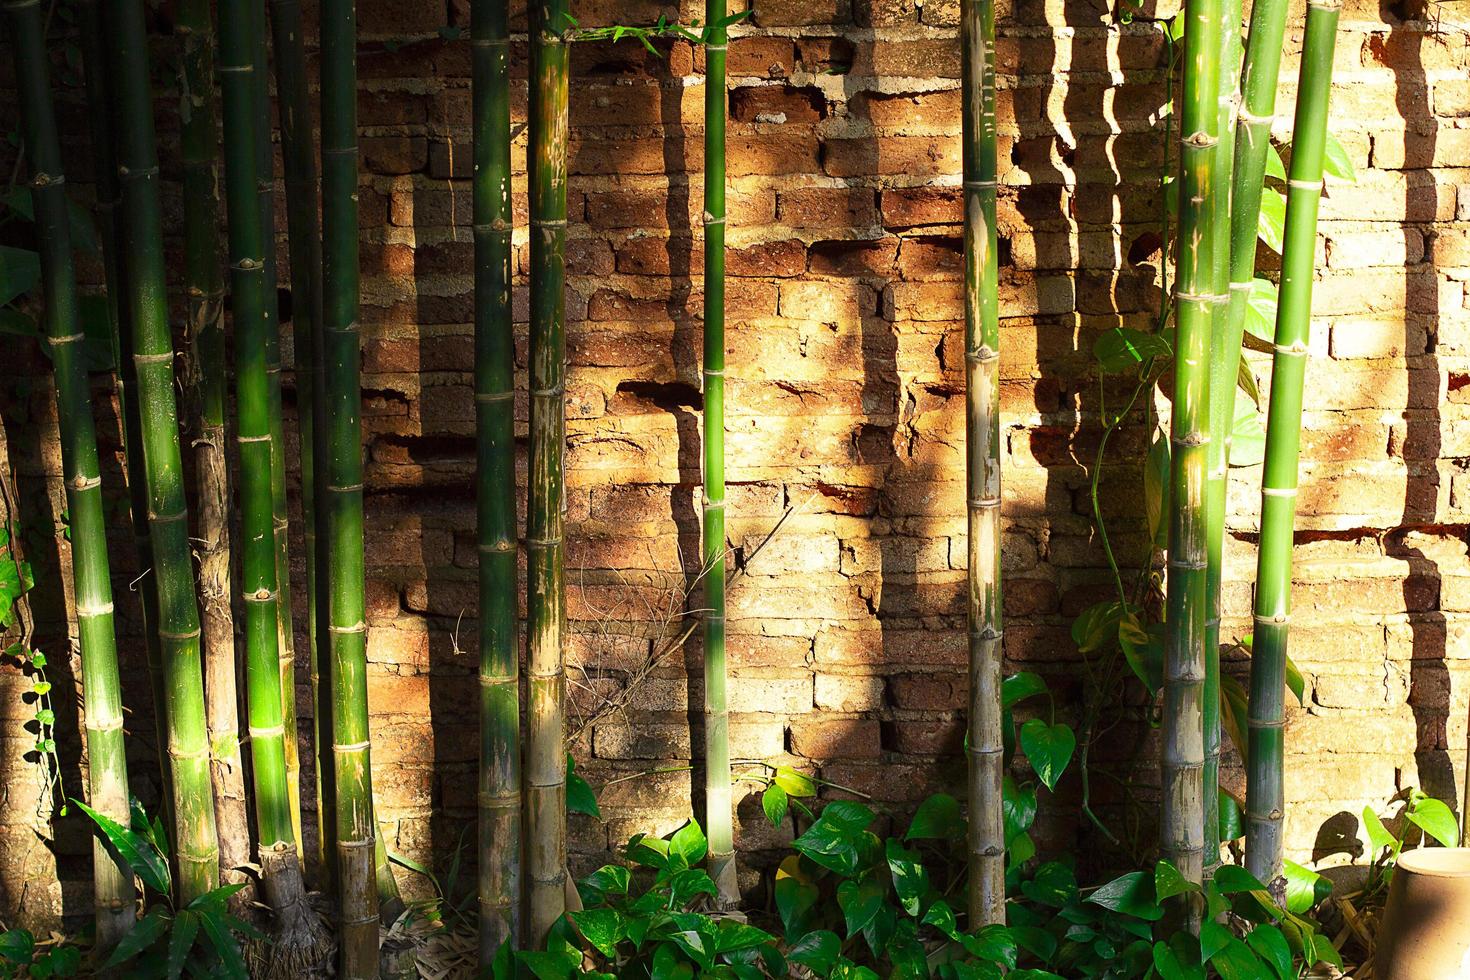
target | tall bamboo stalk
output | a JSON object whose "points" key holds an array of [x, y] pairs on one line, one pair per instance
{"points": [[205, 397], [107, 769], [266, 199], [304, 232], [1224, 367], [1265, 796], [356, 832], [100, 107], [717, 797], [500, 699], [153, 356], [1182, 822], [982, 463], [545, 784]]}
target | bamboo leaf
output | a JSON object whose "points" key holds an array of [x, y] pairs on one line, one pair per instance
{"points": [[143, 935], [181, 941], [135, 850]]}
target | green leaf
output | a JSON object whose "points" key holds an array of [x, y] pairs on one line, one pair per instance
{"points": [[1232, 879], [794, 900], [549, 966], [1054, 885], [1435, 819], [1168, 882], [603, 928], [1304, 887], [1274, 166], [832, 840], [1018, 808], [794, 783], [136, 851], [859, 903], [20, 272], [610, 879], [1247, 437], [1295, 682], [1097, 625], [817, 951], [1260, 310], [689, 843], [1235, 961], [910, 879], [1271, 946], [1156, 490], [145, 932], [732, 936], [1272, 225], [226, 947], [1123, 349], [1131, 894], [1232, 824], [1049, 748], [992, 944], [16, 323], [688, 884], [1378, 835], [17, 946], [773, 802], [938, 818], [580, 797], [1336, 163], [1213, 937], [1020, 686], [181, 942], [1233, 710], [1245, 380]]}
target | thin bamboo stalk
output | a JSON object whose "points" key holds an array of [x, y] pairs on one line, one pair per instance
{"points": [[1182, 822], [545, 777], [205, 397], [178, 615], [356, 832], [986, 841], [100, 109], [107, 768], [500, 706], [1265, 791], [304, 233], [719, 827], [1224, 366]]}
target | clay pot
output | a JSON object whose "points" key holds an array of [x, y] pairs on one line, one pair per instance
{"points": [[1426, 925]]}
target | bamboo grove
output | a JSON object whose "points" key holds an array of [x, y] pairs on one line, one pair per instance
{"points": [[216, 591]]}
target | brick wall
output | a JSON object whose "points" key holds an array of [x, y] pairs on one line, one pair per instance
{"points": [[845, 397]]}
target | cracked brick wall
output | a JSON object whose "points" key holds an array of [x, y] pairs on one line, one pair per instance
{"points": [[845, 425]]}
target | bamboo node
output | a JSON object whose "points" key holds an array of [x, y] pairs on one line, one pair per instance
{"points": [[498, 547], [1254, 119], [1298, 349], [267, 731], [261, 595], [710, 219], [499, 799], [1279, 619], [185, 635], [980, 185], [248, 439], [359, 627], [42, 180], [1279, 491], [984, 354], [487, 397], [85, 482], [1304, 185], [165, 358], [70, 338], [105, 609], [346, 747], [1200, 141], [1242, 286], [1191, 440], [110, 726]]}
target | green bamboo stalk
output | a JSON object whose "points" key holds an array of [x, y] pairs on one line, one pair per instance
{"points": [[304, 234], [109, 204], [1182, 819], [1224, 367], [298, 940], [203, 375], [356, 832], [982, 463], [285, 635], [1265, 791], [719, 825], [545, 784], [500, 706], [153, 356], [107, 768]]}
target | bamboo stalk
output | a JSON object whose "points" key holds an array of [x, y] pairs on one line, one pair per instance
{"points": [[719, 827], [100, 108], [152, 354], [356, 832], [304, 233], [986, 840], [204, 390], [1225, 343], [107, 769], [545, 777], [1265, 791], [500, 707], [1182, 820]]}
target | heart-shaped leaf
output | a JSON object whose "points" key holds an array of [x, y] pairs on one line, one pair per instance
{"points": [[1049, 748]]}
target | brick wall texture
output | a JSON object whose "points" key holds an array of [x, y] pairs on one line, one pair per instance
{"points": [[845, 410]]}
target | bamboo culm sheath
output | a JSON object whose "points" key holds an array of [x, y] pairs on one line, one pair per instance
{"points": [[152, 353], [1224, 368], [1182, 818], [500, 706], [986, 840], [1265, 796], [356, 832], [719, 821], [205, 397], [545, 777], [107, 771]]}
